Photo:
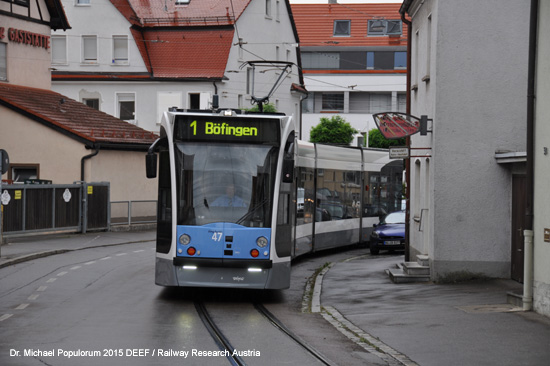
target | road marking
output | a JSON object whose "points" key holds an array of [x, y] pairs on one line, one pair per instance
{"points": [[33, 297], [88, 263], [51, 280], [105, 258], [62, 273], [121, 254], [76, 267], [139, 251], [5, 316], [42, 288], [22, 306]]}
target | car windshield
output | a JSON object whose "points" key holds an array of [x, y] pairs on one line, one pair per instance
{"points": [[225, 183], [395, 218]]}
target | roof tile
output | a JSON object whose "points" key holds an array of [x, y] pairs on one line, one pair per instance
{"points": [[58, 111], [315, 24]]}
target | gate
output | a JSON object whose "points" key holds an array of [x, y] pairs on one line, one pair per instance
{"points": [[32, 208]]}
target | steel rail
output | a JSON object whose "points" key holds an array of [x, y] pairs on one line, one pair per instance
{"points": [[220, 339], [277, 324]]}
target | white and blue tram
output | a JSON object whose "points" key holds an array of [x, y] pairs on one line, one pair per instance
{"points": [[239, 197]]}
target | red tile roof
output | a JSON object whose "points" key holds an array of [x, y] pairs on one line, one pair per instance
{"points": [[166, 13], [195, 54], [183, 41], [315, 23], [66, 115]]}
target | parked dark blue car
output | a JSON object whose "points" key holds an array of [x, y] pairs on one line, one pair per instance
{"points": [[389, 234]]}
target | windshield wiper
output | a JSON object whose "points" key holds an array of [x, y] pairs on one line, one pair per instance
{"points": [[251, 211]]}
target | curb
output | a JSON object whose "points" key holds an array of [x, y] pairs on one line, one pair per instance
{"points": [[47, 253], [30, 257]]}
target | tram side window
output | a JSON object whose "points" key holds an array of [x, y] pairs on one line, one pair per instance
{"points": [[384, 191], [352, 193], [338, 194], [164, 222], [305, 196]]}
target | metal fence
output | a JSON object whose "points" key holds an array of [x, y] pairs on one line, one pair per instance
{"points": [[31, 208], [133, 212]]}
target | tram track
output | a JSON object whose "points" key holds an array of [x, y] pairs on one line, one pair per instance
{"points": [[225, 345], [218, 336]]}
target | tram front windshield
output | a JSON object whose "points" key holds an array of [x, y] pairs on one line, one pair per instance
{"points": [[225, 183]]}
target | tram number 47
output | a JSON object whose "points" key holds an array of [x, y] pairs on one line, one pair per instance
{"points": [[217, 236]]}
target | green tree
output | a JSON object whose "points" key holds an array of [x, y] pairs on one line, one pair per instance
{"points": [[376, 139], [334, 131], [268, 108]]}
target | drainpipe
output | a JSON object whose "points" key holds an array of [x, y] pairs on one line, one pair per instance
{"points": [[408, 161], [83, 160], [529, 214]]}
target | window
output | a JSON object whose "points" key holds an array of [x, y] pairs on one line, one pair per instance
{"points": [[89, 49], [3, 62], [91, 102], [383, 27], [321, 60], [394, 27], [21, 172], [83, 2], [333, 101], [182, 2], [59, 50], [24, 3], [385, 60], [126, 103], [342, 28], [194, 100], [268, 8], [120, 50], [400, 60], [380, 102]]}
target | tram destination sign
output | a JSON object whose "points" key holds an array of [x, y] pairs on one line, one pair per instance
{"points": [[210, 128]]}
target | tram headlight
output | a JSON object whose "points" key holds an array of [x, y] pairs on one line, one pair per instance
{"points": [[185, 239], [262, 241]]}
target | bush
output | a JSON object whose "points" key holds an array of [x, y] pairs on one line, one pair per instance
{"points": [[332, 131]]}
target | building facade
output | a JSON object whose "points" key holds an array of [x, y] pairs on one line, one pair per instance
{"points": [[25, 44], [48, 135], [354, 58], [469, 76], [541, 156], [135, 59]]}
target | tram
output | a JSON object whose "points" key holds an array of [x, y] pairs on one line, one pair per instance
{"points": [[239, 197]]}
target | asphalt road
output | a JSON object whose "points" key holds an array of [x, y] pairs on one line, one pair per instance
{"points": [[100, 306]]}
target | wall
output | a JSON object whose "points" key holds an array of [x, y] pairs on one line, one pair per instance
{"points": [[27, 65], [59, 156], [476, 96], [29, 142], [542, 172]]}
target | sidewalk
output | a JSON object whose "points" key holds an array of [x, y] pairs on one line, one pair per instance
{"points": [[466, 324]]}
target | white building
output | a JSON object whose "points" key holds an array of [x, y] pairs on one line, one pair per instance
{"points": [[135, 59], [469, 74], [541, 156], [354, 61]]}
